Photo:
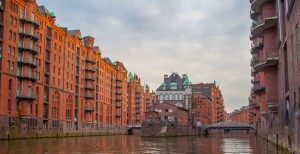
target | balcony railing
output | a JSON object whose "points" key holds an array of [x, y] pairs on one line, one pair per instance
{"points": [[89, 96], [23, 96], [269, 13], [89, 108], [118, 99], [31, 62], [33, 35], [270, 58], [92, 69], [91, 87], [88, 77], [32, 49], [118, 105], [33, 21], [92, 60], [27, 76]]}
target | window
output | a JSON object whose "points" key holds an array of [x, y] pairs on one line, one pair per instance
{"points": [[8, 105], [287, 111], [13, 51], [10, 35], [166, 97], [12, 66], [15, 37], [8, 65], [11, 20], [9, 50], [15, 22], [10, 84]]}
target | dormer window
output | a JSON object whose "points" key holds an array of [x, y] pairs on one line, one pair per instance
{"points": [[164, 86], [173, 86]]}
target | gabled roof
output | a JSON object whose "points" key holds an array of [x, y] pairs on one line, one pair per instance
{"points": [[174, 79], [205, 90], [73, 32], [107, 60], [42, 10]]}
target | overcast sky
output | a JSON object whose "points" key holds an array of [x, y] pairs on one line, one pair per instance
{"points": [[207, 39]]}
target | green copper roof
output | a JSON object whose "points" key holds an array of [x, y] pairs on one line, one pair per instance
{"points": [[80, 37], [186, 81], [173, 84], [164, 84], [123, 71], [52, 14], [99, 52], [114, 63], [129, 77]]}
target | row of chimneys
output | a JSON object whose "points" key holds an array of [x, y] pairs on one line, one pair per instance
{"points": [[166, 76]]}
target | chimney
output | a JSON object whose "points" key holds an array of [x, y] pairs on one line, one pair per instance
{"points": [[165, 77], [183, 76]]}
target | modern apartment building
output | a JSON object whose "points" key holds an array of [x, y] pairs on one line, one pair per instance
{"points": [[275, 97]]}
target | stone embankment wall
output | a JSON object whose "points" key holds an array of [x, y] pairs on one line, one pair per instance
{"points": [[165, 129]]}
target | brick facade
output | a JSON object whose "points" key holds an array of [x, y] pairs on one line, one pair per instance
{"points": [[274, 102]]}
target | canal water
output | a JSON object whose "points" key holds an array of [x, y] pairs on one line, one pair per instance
{"points": [[218, 144]]}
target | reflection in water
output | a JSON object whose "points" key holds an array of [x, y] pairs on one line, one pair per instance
{"points": [[134, 144]]}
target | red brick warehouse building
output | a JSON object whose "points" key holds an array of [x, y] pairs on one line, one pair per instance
{"points": [[207, 103], [274, 102], [53, 78]]}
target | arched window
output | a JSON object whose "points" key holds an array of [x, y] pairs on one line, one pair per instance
{"points": [[166, 97], [161, 97], [171, 97], [55, 106], [176, 97], [180, 97]]}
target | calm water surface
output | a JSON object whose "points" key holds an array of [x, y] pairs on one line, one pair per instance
{"points": [[232, 143]]}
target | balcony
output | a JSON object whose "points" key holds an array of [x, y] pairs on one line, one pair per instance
{"points": [[91, 69], [137, 112], [137, 106], [264, 114], [253, 71], [27, 76], [119, 92], [34, 36], [118, 115], [256, 106], [90, 87], [28, 96], [118, 99], [273, 107], [118, 105], [119, 86], [90, 60], [256, 46], [31, 62], [269, 20], [254, 62], [32, 21], [32, 49], [256, 5], [270, 58], [138, 102], [92, 78], [253, 81], [89, 108], [259, 88], [119, 79], [253, 15], [89, 96]]}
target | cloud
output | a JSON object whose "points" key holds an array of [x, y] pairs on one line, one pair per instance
{"points": [[204, 38]]}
